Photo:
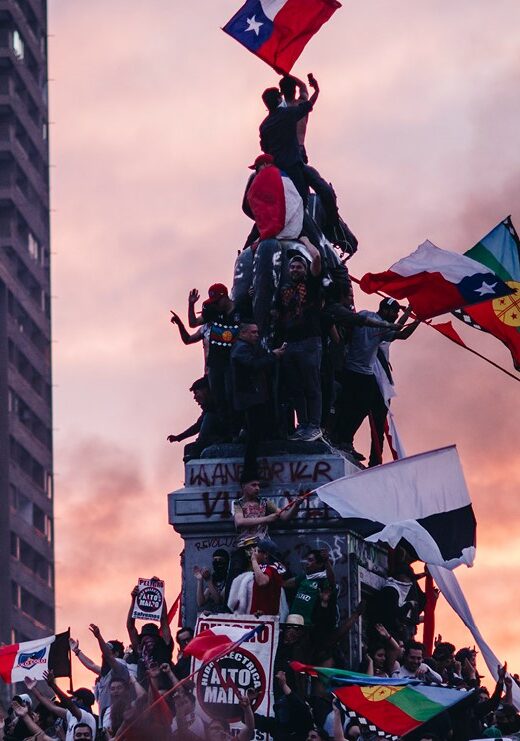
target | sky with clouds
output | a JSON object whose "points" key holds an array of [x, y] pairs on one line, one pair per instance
{"points": [[155, 117]]}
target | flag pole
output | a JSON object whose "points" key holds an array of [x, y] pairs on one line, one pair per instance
{"points": [[469, 349]]}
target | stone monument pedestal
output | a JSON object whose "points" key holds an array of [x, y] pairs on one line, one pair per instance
{"points": [[201, 512]]}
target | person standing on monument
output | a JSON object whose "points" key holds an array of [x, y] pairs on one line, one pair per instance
{"points": [[361, 395], [300, 327]]}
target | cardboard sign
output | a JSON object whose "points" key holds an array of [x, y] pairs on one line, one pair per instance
{"points": [[149, 600], [219, 684]]}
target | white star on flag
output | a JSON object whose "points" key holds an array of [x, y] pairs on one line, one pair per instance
{"points": [[485, 288], [254, 25]]}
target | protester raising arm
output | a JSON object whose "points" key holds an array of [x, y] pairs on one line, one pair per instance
{"points": [[130, 622], [108, 655], [186, 337], [87, 663], [61, 712], [22, 711], [315, 268], [165, 625], [249, 719], [193, 320]]}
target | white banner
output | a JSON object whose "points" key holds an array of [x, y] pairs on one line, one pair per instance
{"points": [[148, 603], [251, 665]]}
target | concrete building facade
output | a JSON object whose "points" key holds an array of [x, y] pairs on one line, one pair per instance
{"points": [[26, 490]]}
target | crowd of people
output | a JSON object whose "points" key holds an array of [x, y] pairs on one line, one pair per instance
{"points": [[143, 693], [293, 361], [302, 366]]}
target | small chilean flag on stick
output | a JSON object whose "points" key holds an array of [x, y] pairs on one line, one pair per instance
{"points": [[33, 658], [213, 641], [278, 30], [436, 281]]}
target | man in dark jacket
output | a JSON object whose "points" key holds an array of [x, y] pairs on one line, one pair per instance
{"points": [[250, 365]]}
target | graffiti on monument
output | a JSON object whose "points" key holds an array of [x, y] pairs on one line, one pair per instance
{"points": [[218, 504], [311, 471]]}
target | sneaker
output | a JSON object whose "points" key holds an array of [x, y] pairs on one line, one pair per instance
{"points": [[297, 434], [310, 434]]}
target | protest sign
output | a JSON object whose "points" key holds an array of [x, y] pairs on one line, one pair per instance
{"points": [[149, 600], [250, 666]]}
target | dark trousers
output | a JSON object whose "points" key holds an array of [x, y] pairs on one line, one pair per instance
{"points": [[324, 191], [359, 398], [222, 394], [258, 420], [301, 367]]}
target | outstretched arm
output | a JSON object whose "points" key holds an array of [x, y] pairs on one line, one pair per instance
{"points": [[315, 268], [130, 622], [22, 711], [62, 697], [249, 719], [87, 663], [51, 706], [407, 331], [165, 625], [186, 337], [107, 653]]}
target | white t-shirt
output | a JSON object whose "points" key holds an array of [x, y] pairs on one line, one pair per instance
{"points": [[429, 676], [72, 722]]}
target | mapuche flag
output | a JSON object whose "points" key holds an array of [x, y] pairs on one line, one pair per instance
{"points": [[436, 281], [33, 658], [499, 251], [392, 706], [277, 31]]}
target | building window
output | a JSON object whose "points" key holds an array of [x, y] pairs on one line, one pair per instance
{"points": [[15, 594], [15, 546], [18, 46], [33, 247]]}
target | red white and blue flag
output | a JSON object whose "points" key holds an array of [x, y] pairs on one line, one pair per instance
{"points": [[436, 281], [276, 205], [33, 658], [215, 640], [278, 30]]}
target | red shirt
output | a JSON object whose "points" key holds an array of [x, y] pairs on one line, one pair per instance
{"points": [[267, 599]]}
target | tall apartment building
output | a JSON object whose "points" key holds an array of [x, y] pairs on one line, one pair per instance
{"points": [[26, 494]]}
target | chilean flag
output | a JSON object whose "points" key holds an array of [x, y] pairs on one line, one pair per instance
{"points": [[278, 30], [214, 641], [33, 658], [276, 205], [436, 281]]}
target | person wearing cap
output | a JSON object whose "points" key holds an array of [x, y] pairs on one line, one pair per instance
{"points": [[207, 426], [300, 327], [273, 202], [21, 722], [361, 395], [279, 135], [223, 318], [267, 584], [154, 644], [72, 709]]}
